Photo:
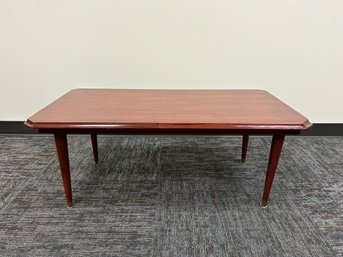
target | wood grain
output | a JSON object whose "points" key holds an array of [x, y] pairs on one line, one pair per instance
{"points": [[168, 109]]}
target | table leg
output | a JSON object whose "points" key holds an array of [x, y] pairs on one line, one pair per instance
{"points": [[244, 147], [274, 155], [62, 152], [95, 147]]}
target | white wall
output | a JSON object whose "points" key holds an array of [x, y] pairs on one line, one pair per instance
{"points": [[293, 48]]}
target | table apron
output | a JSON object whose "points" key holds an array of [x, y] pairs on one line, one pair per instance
{"points": [[170, 131]]}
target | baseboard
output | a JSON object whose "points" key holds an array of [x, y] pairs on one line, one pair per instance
{"points": [[324, 129], [15, 127], [318, 129]]}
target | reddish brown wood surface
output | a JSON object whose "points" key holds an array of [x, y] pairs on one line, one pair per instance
{"points": [[62, 152], [245, 142], [274, 156], [94, 140], [168, 109], [180, 111]]}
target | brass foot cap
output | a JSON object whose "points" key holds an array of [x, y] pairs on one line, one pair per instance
{"points": [[70, 205], [243, 161], [264, 204]]}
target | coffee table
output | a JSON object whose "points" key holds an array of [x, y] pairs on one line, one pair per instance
{"points": [[122, 111]]}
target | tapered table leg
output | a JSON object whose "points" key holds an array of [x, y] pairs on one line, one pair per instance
{"points": [[95, 147], [274, 155], [62, 152], [244, 147]]}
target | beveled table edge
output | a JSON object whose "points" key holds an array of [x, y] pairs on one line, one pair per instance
{"points": [[162, 126]]}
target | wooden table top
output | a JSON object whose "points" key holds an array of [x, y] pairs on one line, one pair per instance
{"points": [[168, 109]]}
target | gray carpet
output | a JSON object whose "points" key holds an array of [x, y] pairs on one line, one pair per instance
{"points": [[171, 196]]}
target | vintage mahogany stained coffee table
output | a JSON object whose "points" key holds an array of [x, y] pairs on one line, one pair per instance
{"points": [[117, 111]]}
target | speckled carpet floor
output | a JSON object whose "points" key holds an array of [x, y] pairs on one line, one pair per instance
{"points": [[171, 196]]}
